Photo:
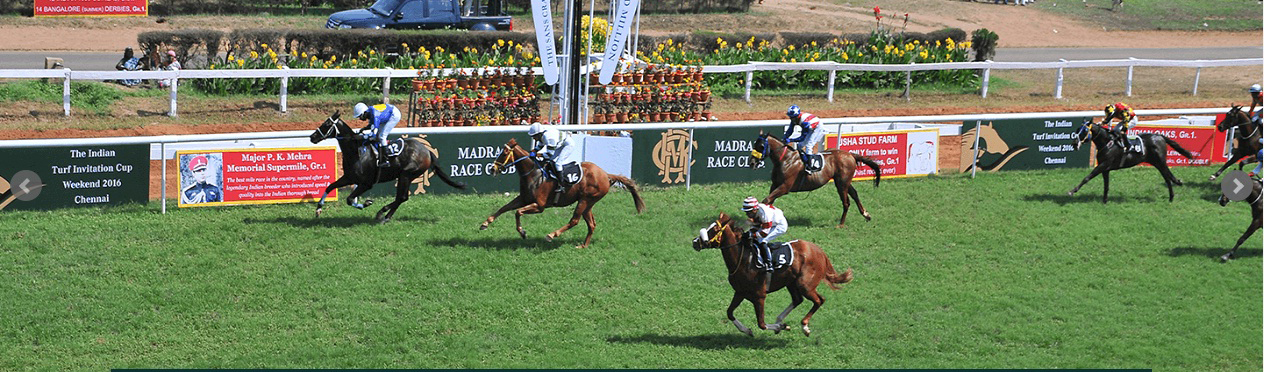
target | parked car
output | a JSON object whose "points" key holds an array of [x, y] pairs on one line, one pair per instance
{"points": [[477, 15]]}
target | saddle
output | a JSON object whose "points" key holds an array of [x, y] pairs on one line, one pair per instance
{"points": [[1135, 144], [814, 162], [393, 147], [571, 174], [782, 256]]}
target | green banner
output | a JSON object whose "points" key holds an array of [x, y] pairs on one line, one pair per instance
{"points": [[724, 155], [1021, 144], [661, 157], [465, 158], [73, 176]]}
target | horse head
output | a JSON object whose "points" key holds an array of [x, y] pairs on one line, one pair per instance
{"points": [[759, 148], [1233, 118], [333, 127], [1083, 133], [718, 234], [509, 154], [993, 144]]}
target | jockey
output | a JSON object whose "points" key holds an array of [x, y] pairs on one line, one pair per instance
{"points": [[810, 132], [555, 147], [1256, 100], [769, 224], [1127, 120], [381, 120]]}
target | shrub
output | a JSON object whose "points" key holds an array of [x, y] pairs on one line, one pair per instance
{"points": [[984, 42]]}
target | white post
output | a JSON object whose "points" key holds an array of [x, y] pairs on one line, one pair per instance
{"points": [[1057, 90], [172, 111], [974, 164], [831, 86], [838, 139], [987, 75], [285, 87], [386, 87], [750, 75], [1197, 73], [1128, 87], [908, 84], [65, 92], [162, 154], [689, 161]]}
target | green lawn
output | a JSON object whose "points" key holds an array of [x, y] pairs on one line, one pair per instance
{"points": [[1000, 271]]}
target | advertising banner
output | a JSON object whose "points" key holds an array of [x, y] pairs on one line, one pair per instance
{"points": [[542, 15], [255, 176], [1205, 143], [83, 8], [901, 153], [465, 158], [73, 176], [724, 155], [1022, 144]]}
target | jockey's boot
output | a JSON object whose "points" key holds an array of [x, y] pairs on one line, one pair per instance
{"points": [[766, 255]]}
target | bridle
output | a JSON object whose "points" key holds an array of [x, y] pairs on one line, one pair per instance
{"points": [[719, 235], [332, 132], [506, 164]]}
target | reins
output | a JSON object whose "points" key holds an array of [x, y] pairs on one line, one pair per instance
{"points": [[716, 240]]}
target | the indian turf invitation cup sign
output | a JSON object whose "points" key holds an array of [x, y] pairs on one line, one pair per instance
{"points": [[87, 8], [73, 176], [1022, 144], [256, 176]]}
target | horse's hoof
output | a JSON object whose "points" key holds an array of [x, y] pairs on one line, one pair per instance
{"points": [[581, 246], [367, 203], [1225, 258], [807, 332], [839, 226], [749, 332], [1179, 182], [867, 218], [383, 221], [1070, 193], [522, 233], [548, 238], [1213, 178], [776, 328], [482, 227], [318, 213]]}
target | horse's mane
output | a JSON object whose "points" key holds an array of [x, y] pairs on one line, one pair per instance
{"points": [[513, 142]]}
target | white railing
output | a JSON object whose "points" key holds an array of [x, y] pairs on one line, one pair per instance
{"points": [[285, 73]]}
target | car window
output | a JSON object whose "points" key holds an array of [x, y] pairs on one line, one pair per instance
{"points": [[441, 7], [413, 9], [384, 7]]}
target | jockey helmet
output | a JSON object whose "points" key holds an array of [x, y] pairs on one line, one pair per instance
{"points": [[793, 111], [359, 109], [749, 204], [1255, 88], [535, 129], [1120, 106]]}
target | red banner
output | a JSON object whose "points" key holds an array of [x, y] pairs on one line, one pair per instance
{"points": [[256, 176], [1205, 143], [887, 149], [81, 8]]}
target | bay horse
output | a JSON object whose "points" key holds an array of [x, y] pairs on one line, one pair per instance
{"points": [[1247, 134], [359, 166], [535, 191], [1109, 155], [788, 175], [801, 278], [1256, 209]]}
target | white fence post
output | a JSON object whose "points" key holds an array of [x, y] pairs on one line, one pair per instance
{"points": [[1197, 73], [172, 111], [285, 87], [974, 166], [750, 75], [987, 75], [1128, 88], [386, 87], [65, 92], [689, 161], [831, 86], [1057, 90], [162, 154], [908, 84]]}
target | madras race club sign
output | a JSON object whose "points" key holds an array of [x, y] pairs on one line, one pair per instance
{"points": [[671, 155]]}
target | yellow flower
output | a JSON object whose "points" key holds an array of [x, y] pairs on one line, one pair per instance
{"points": [[474, 50], [241, 62], [265, 46], [333, 58], [924, 54], [212, 66], [510, 43], [792, 60], [500, 42], [405, 45], [304, 55], [937, 44], [231, 58], [791, 47], [451, 56], [816, 55], [510, 60], [313, 59], [845, 56], [813, 43], [669, 42], [354, 61], [739, 45], [372, 52], [254, 55]]}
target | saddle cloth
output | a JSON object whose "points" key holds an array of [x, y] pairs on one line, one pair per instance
{"points": [[571, 174], [393, 147], [782, 256], [1135, 144], [814, 162]]}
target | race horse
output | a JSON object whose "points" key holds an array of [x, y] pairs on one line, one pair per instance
{"points": [[1109, 156], [809, 267], [536, 192], [359, 166], [1247, 134], [1256, 207], [788, 175]]}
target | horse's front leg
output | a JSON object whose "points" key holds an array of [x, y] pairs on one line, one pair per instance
{"points": [[401, 196], [1096, 171], [516, 203], [737, 301], [1236, 157], [354, 198], [580, 207], [778, 191], [529, 209], [1255, 225], [340, 182]]}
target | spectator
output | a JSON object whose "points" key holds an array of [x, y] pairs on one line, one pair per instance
{"points": [[129, 62], [173, 64]]}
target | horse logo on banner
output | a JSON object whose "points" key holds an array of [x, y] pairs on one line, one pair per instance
{"points": [[671, 155]]}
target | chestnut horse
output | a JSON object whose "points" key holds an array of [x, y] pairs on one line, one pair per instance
{"points": [[788, 175], [535, 192], [1247, 134], [810, 266]]}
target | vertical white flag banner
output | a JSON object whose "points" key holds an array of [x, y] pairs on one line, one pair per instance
{"points": [[543, 15], [618, 37]]}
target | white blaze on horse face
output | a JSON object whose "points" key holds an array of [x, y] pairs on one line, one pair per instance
{"points": [[702, 234]]}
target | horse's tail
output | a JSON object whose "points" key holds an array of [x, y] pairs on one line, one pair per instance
{"points": [[434, 165], [877, 169], [629, 184], [1178, 148], [833, 278]]}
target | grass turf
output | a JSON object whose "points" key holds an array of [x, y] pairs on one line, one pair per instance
{"points": [[1000, 271]]}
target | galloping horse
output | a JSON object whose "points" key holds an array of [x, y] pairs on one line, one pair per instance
{"points": [[810, 266], [1256, 209], [359, 166], [1248, 136], [788, 175], [1109, 154], [535, 192]]}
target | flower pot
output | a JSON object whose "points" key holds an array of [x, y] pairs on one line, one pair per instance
{"points": [[618, 78], [693, 116], [703, 96], [706, 115], [598, 119], [418, 85], [697, 76], [638, 78], [621, 117]]}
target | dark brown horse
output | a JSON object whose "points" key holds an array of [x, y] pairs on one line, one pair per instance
{"points": [[535, 192], [810, 266], [1247, 134], [359, 166], [1256, 209], [1111, 157], [788, 175]]}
